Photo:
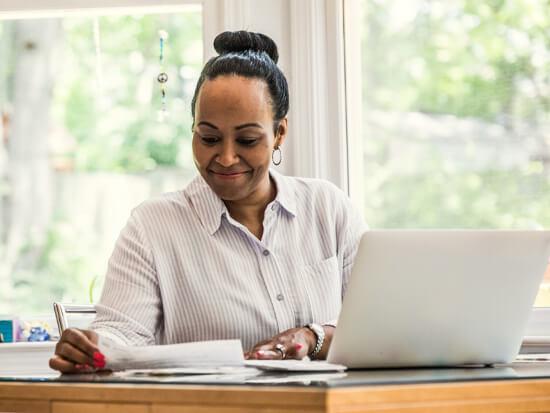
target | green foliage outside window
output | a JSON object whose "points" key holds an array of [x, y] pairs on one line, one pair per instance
{"points": [[482, 61], [111, 107], [106, 134]]}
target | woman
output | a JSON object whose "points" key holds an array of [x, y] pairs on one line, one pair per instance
{"points": [[242, 252]]}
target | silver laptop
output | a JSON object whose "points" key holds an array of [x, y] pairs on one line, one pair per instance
{"points": [[439, 298]]}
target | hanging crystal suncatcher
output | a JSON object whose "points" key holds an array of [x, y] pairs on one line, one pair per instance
{"points": [[162, 78]]}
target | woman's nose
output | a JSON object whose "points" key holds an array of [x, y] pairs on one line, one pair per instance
{"points": [[228, 156]]}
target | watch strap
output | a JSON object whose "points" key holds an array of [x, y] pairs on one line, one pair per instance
{"points": [[319, 332]]}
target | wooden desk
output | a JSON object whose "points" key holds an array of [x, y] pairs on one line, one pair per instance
{"points": [[509, 395]]}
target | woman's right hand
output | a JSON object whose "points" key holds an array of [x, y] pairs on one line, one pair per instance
{"points": [[77, 352]]}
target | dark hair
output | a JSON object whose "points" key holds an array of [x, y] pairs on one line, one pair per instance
{"points": [[252, 55]]}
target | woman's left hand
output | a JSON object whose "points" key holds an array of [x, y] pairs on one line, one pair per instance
{"points": [[295, 343]]}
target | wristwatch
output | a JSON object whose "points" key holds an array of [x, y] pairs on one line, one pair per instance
{"points": [[319, 332]]}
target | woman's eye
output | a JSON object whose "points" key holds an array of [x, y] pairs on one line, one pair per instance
{"points": [[209, 140], [247, 141]]}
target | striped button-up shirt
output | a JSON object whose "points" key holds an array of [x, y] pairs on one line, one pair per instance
{"points": [[184, 270]]}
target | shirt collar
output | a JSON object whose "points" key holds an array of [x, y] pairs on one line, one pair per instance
{"points": [[210, 208], [286, 193]]}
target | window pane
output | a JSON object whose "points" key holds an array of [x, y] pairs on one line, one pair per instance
{"points": [[456, 114], [85, 141]]}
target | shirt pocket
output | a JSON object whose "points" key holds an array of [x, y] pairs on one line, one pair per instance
{"points": [[323, 289]]}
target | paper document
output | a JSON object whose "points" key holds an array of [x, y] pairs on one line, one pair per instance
{"points": [[188, 371], [205, 357], [295, 365], [225, 353], [295, 378], [250, 378]]}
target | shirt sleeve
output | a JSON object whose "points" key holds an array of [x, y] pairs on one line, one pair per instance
{"points": [[351, 227], [354, 229], [129, 310]]}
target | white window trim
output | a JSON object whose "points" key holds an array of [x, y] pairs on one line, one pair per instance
{"points": [[539, 322], [354, 101], [53, 8]]}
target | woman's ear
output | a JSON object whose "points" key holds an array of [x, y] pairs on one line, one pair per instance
{"points": [[282, 131]]}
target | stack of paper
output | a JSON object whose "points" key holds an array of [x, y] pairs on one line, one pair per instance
{"points": [[224, 357], [26, 359], [199, 358], [226, 353], [300, 366]]}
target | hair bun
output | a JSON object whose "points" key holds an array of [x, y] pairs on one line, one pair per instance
{"points": [[241, 41]]}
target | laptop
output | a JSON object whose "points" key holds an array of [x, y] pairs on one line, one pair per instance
{"points": [[439, 297]]}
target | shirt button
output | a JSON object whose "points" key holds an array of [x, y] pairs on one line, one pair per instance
{"points": [[273, 207], [265, 252], [280, 297]]}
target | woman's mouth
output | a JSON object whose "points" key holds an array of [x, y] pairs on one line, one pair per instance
{"points": [[229, 175]]}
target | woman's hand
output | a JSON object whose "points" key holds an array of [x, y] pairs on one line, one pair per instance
{"points": [[77, 352], [295, 343]]}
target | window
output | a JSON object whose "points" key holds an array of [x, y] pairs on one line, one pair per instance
{"points": [[456, 115], [84, 139]]}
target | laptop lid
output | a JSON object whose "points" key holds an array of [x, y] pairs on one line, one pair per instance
{"points": [[439, 297]]}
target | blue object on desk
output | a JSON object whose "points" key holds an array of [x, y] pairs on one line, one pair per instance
{"points": [[8, 329], [39, 334]]}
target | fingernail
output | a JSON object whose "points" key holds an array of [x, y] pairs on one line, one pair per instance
{"points": [[260, 353], [98, 364], [298, 346], [98, 356], [79, 366]]}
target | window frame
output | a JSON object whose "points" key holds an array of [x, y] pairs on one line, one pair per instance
{"points": [[31, 9]]}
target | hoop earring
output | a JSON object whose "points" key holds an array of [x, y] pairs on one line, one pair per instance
{"points": [[278, 150]]}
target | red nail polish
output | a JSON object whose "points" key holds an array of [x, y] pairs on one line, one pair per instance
{"points": [[298, 346], [99, 364], [98, 356]]}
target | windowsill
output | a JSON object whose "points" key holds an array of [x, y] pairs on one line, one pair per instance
{"points": [[539, 322]]}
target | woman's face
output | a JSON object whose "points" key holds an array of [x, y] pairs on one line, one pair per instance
{"points": [[233, 136]]}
